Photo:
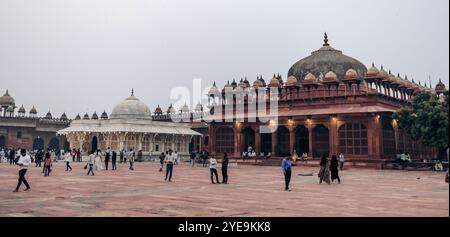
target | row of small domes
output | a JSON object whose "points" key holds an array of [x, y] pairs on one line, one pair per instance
{"points": [[331, 78]]}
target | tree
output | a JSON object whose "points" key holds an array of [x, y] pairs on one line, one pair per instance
{"points": [[427, 120]]}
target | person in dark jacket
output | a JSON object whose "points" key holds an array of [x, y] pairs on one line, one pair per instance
{"points": [[334, 169], [107, 157], [225, 168], [114, 160]]}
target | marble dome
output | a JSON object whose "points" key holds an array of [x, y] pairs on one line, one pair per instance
{"points": [[131, 108]]}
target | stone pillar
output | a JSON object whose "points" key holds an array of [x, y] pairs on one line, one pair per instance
{"points": [[291, 139], [310, 142], [237, 141], [257, 140], [274, 144]]}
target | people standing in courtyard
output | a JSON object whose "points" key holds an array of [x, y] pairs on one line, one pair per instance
{"points": [[213, 169], [47, 164], [23, 162], [286, 166], [68, 158], [341, 161], [140, 156], [324, 173], [205, 159], [131, 159], [39, 158], [169, 160], [225, 168], [192, 158], [122, 155], [90, 164], [162, 157], [175, 156], [79, 155], [98, 160], [107, 157], [334, 169], [114, 160], [12, 156]]}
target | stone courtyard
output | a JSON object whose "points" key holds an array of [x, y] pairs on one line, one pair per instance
{"points": [[252, 191]]}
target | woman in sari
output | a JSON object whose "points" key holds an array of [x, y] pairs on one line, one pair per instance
{"points": [[324, 173]]}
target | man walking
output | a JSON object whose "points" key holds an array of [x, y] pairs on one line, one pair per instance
{"points": [[170, 160], [23, 162], [67, 159], [107, 157], [286, 166], [114, 160], [341, 161]]}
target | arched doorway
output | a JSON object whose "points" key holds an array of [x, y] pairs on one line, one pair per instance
{"points": [[301, 140], [38, 144], [66, 145], [224, 140], [266, 143], [320, 141], [2, 142], [249, 138], [94, 144], [283, 141], [54, 144], [388, 141]]}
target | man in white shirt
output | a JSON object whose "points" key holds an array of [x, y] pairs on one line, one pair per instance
{"points": [[175, 156], [169, 160], [68, 158], [341, 161], [23, 162], [213, 169]]}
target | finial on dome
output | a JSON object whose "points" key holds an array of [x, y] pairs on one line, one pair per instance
{"points": [[325, 40], [373, 64], [132, 91]]}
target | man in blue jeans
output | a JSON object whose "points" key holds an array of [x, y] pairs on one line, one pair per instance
{"points": [[170, 160], [286, 166]]}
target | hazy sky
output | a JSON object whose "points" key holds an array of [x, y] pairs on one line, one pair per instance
{"points": [[78, 56]]}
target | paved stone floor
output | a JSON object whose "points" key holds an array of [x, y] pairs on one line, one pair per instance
{"points": [[253, 191]]}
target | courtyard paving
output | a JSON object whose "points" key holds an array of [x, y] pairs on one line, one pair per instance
{"points": [[252, 191]]}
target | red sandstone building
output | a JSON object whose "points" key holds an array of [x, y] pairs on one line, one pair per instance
{"points": [[330, 103]]}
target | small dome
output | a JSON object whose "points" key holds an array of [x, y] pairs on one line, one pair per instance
{"points": [[158, 111], [199, 107], [10, 109], [64, 116], [212, 91], [383, 73], [7, 100], [86, 116], [131, 108], [274, 82], [48, 115], [234, 84], [247, 83], [292, 81], [373, 71], [22, 110], [310, 79], [185, 108], [242, 84], [258, 83], [33, 110], [78, 117], [171, 110], [94, 116], [351, 74], [330, 77], [440, 87], [104, 115]]}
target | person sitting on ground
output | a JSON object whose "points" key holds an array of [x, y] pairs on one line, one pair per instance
{"points": [[439, 167]]}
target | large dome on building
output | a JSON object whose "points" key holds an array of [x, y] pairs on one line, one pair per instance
{"points": [[7, 100], [131, 108], [324, 60]]}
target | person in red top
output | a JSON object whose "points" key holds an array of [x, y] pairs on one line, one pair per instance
{"points": [[47, 164]]}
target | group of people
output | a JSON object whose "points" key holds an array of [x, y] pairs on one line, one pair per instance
{"points": [[329, 169]]}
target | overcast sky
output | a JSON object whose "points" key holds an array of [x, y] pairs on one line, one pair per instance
{"points": [[78, 56]]}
